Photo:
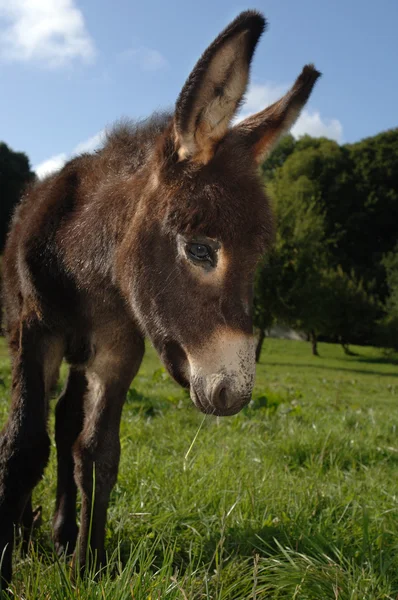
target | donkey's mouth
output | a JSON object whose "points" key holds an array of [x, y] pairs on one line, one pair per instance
{"points": [[176, 362]]}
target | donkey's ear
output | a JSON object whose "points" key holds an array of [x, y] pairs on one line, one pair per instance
{"points": [[214, 90], [264, 129]]}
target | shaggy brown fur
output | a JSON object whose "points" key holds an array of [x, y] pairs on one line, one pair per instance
{"points": [[158, 235]]}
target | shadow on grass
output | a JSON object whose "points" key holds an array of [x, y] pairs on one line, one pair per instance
{"points": [[206, 552], [140, 404], [300, 365], [286, 543], [243, 543], [379, 360]]}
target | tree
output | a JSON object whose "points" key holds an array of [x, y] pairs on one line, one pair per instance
{"points": [[15, 174], [374, 229], [288, 282], [337, 210], [284, 149], [357, 188], [390, 262], [353, 312], [266, 299], [329, 168], [389, 325]]}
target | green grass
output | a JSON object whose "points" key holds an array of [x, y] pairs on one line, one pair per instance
{"points": [[294, 498]]}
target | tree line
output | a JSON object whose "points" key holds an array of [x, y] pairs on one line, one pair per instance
{"points": [[333, 270], [15, 174]]}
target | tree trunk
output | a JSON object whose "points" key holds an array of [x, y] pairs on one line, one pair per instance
{"points": [[314, 343], [347, 350], [259, 346]]}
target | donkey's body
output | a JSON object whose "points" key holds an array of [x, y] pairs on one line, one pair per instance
{"points": [[157, 234]]}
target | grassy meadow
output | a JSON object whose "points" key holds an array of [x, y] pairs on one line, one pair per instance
{"points": [[294, 498]]}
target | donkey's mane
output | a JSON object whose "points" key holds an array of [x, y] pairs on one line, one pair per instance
{"points": [[129, 143]]}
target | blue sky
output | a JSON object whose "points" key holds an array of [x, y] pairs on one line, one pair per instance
{"points": [[69, 68]]}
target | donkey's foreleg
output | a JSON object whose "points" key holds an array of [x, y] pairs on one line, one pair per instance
{"points": [[97, 449], [96, 455], [30, 519], [24, 442], [68, 425]]}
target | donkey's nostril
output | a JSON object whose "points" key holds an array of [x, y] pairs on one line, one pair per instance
{"points": [[219, 396], [223, 397]]}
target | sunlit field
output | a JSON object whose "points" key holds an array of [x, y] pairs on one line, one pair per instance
{"points": [[294, 498]]}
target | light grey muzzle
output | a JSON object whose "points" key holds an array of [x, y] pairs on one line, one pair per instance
{"points": [[222, 373]]}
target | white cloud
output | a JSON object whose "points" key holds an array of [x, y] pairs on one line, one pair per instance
{"points": [[90, 144], [50, 165], [50, 32], [54, 163], [147, 59], [314, 125], [259, 97]]}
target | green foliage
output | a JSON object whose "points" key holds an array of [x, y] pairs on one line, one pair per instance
{"points": [[294, 497], [279, 155], [327, 168], [15, 173], [302, 252], [352, 313], [390, 262], [288, 284], [375, 162], [337, 209], [356, 187], [388, 333]]}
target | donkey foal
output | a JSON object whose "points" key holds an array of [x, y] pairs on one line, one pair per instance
{"points": [[157, 234]]}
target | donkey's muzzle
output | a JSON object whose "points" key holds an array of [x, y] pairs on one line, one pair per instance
{"points": [[217, 397], [222, 372]]}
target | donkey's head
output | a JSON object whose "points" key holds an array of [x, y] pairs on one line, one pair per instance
{"points": [[205, 221]]}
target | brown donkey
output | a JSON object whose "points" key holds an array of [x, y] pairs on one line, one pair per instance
{"points": [[158, 235]]}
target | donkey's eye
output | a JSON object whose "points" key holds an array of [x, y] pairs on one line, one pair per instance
{"points": [[200, 252]]}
